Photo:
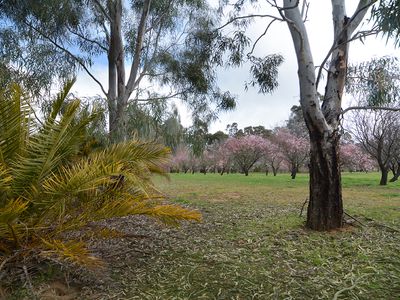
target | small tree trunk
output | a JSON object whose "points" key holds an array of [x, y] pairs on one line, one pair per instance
{"points": [[396, 173], [274, 170], [325, 207], [384, 175], [294, 172], [246, 172]]}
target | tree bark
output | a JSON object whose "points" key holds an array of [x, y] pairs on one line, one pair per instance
{"points": [[396, 172], [116, 72], [325, 209], [274, 170], [384, 175], [294, 171], [118, 90]]}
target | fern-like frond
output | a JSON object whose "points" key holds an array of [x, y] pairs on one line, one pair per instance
{"points": [[5, 181], [59, 101], [15, 123], [52, 147], [169, 214], [65, 189], [70, 251], [137, 152], [9, 214], [12, 210]]}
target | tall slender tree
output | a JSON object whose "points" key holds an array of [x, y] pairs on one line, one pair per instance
{"points": [[325, 209], [322, 114]]}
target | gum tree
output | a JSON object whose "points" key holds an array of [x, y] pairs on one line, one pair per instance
{"points": [[142, 43], [322, 113], [325, 209]]}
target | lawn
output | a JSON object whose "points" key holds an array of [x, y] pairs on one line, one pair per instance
{"points": [[252, 244]]}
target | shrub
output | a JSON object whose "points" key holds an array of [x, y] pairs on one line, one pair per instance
{"points": [[48, 189]]}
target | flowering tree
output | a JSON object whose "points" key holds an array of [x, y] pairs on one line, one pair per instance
{"points": [[273, 156], [379, 132], [353, 158], [222, 158], [206, 161], [295, 150], [181, 160], [246, 151]]}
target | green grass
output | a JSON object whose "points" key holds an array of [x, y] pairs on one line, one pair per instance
{"points": [[252, 244]]}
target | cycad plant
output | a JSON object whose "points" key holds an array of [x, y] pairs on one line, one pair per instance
{"points": [[48, 189]]}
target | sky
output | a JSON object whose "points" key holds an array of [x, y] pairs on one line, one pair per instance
{"points": [[270, 110]]}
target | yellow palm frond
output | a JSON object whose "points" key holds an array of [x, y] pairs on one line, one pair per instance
{"points": [[12, 210], [169, 214], [47, 187], [70, 251], [9, 214]]}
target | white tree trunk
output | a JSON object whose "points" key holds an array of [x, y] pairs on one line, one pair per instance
{"points": [[325, 208]]}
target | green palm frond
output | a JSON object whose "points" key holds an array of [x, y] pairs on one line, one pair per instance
{"points": [[136, 152], [59, 101], [9, 214], [5, 180], [15, 123], [49, 149], [12, 210]]}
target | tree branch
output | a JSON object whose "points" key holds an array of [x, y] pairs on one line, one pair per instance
{"points": [[370, 108], [87, 39], [102, 10], [159, 98], [260, 37], [356, 18], [354, 21], [247, 17], [74, 57], [138, 48]]}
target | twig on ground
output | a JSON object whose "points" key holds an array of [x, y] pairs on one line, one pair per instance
{"points": [[5, 261], [337, 294], [28, 280], [382, 225], [355, 219], [302, 208], [126, 252]]}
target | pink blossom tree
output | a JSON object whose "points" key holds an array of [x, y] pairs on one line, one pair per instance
{"points": [[294, 149], [181, 160], [273, 156], [206, 161], [222, 158], [245, 151], [353, 158]]}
